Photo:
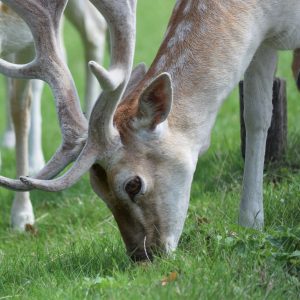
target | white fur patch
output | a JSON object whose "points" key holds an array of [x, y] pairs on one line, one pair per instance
{"points": [[180, 62], [172, 42], [202, 7], [170, 243], [22, 211], [161, 62], [188, 7], [144, 133], [182, 30]]}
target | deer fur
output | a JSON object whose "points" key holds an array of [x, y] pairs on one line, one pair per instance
{"points": [[166, 122], [144, 138]]}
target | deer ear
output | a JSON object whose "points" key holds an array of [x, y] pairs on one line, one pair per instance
{"points": [[155, 102]]}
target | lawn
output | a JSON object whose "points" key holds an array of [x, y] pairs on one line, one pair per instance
{"points": [[78, 253]]}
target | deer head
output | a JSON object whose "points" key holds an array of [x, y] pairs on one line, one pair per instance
{"points": [[145, 180], [135, 163]]}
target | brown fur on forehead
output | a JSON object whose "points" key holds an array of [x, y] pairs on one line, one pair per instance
{"points": [[127, 110]]}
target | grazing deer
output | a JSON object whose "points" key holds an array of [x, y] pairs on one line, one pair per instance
{"points": [[16, 43], [142, 144]]}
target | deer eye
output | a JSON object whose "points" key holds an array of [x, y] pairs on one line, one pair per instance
{"points": [[133, 187]]}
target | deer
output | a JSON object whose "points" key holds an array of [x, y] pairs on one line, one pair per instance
{"points": [[17, 43], [148, 128]]}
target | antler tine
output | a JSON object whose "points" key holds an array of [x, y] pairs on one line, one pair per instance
{"points": [[121, 18], [85, 160], [13, 184], [43, 19], [56, 164]]}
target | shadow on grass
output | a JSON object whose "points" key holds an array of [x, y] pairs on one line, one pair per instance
{"points": [[78, 260], [289, 165], [89, 260]]}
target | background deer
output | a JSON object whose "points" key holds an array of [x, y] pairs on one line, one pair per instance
{"points": [[17, 45], [142, 144]]}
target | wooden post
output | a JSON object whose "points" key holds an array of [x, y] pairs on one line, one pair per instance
{"points": [[277, 134]]}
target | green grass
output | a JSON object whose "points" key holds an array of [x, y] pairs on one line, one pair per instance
{"points": [[78, 252]]}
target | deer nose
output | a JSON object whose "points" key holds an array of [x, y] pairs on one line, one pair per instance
{"points": [[141, 255]]}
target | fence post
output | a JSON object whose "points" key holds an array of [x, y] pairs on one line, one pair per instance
{"points": [[277, 133]]}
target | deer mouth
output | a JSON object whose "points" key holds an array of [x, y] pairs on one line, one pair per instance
{"points": [[141, 255], [145, 253]]}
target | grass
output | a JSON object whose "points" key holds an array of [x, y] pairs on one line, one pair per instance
{"points": [[78, 253]]}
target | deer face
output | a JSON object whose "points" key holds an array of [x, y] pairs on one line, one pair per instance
{"points": [[146, 181]]}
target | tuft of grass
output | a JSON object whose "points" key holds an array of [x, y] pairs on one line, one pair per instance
{"points": [[77, 251]]}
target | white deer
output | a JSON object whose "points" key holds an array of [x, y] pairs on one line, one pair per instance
{"points": [[142, 147], [16, 43]]}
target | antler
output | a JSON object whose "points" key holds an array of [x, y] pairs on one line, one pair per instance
{"points": [[102, 136], [121, 19], [43, 19]]}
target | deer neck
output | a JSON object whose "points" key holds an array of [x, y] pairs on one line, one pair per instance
{"points": [[207, 48]]}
